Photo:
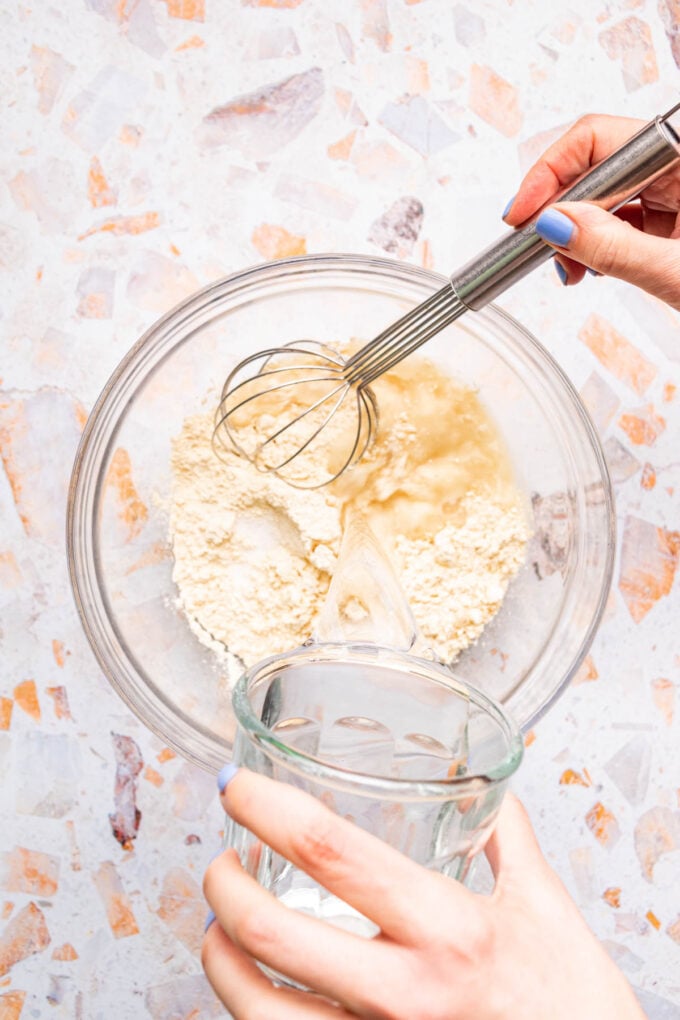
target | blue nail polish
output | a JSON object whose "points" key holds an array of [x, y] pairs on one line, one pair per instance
{"points": [[209, 920], [561, 272], [225, 776], [593, 272], [554, 227], [508, 207]]}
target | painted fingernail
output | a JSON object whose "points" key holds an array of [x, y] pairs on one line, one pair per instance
{"points": [[561, 272], [508, 207], [554, 227], [593, 272], [209, 920], [225, 776]]}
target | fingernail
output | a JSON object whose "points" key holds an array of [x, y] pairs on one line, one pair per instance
{"points": [[508, 207], [225, 776], [555, 227], [593, 272], [561, 272], [209, 920]]}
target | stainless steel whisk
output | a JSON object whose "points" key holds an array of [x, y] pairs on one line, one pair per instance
{"points": [[256, 416]]}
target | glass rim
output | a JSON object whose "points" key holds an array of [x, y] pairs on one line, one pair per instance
{"points": [[300, 761]]}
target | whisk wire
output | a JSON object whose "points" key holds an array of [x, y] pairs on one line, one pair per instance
{"points": [[404, 336], [342, 389]]}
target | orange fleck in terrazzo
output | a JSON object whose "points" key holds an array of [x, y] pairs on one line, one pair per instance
{"points": [[426, 257], [60, 698], [572, 778], [25, 935], [587, 672], [495, 100], [192, 43], [630, 41], [617, 354], [99, 191], [182, 908], [6, 706], [673, 931], [649, 558], [612, 896], [343, 148], [9, 436], [10, 574], [648, 477], [132, 510], [274, 242], [643, 427], [116, 903], [375, 24], [656, 833], [167, 754], [603, 825], [188, 10], [29, 871], [669, 391], [119, 225], [529, 738], [7, 909], [653, 919], [663, 694], [155, 778], [417, 76], [130, 134], [65, 952], [59, 652], [26, 697], [11, 1005]]}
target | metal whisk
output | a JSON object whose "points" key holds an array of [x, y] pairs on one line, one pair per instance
{"points": [[279, 405]]}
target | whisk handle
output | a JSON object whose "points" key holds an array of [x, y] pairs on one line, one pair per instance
{"points": [[610, 184]]}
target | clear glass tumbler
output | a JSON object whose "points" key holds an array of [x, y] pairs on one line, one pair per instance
{"points": [[395, 743]]}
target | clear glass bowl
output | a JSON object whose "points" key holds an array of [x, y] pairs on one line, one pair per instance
{"points": [[121, 563]]}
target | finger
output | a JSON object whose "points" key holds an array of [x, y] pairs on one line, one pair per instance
{"points": [[241, 986], [359, 868], [611, 246], [589, 140], [657, 222], [512, 849], [569, 272], [310, 951]]}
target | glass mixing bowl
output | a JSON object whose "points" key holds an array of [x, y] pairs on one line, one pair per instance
{"points": [[119, 555]]}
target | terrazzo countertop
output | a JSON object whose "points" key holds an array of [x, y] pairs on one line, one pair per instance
{"points": [[152, 146]]}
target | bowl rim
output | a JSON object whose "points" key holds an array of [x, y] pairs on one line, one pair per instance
{"points": [[88, 599]]}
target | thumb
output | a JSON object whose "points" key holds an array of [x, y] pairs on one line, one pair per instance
{"points": [[611, 246]]}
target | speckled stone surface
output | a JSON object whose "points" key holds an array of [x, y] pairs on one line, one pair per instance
{"points": [[152, 146]]}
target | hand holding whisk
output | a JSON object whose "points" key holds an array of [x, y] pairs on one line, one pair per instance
{"points": [[292, 408]]}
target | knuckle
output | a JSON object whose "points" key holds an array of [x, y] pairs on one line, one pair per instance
{"points": [[318, 842], [253, 931], [585, 122], [481, 937], [607, 254]]}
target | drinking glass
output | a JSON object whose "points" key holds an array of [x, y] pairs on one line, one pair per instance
{"points": [[394, 742]]}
